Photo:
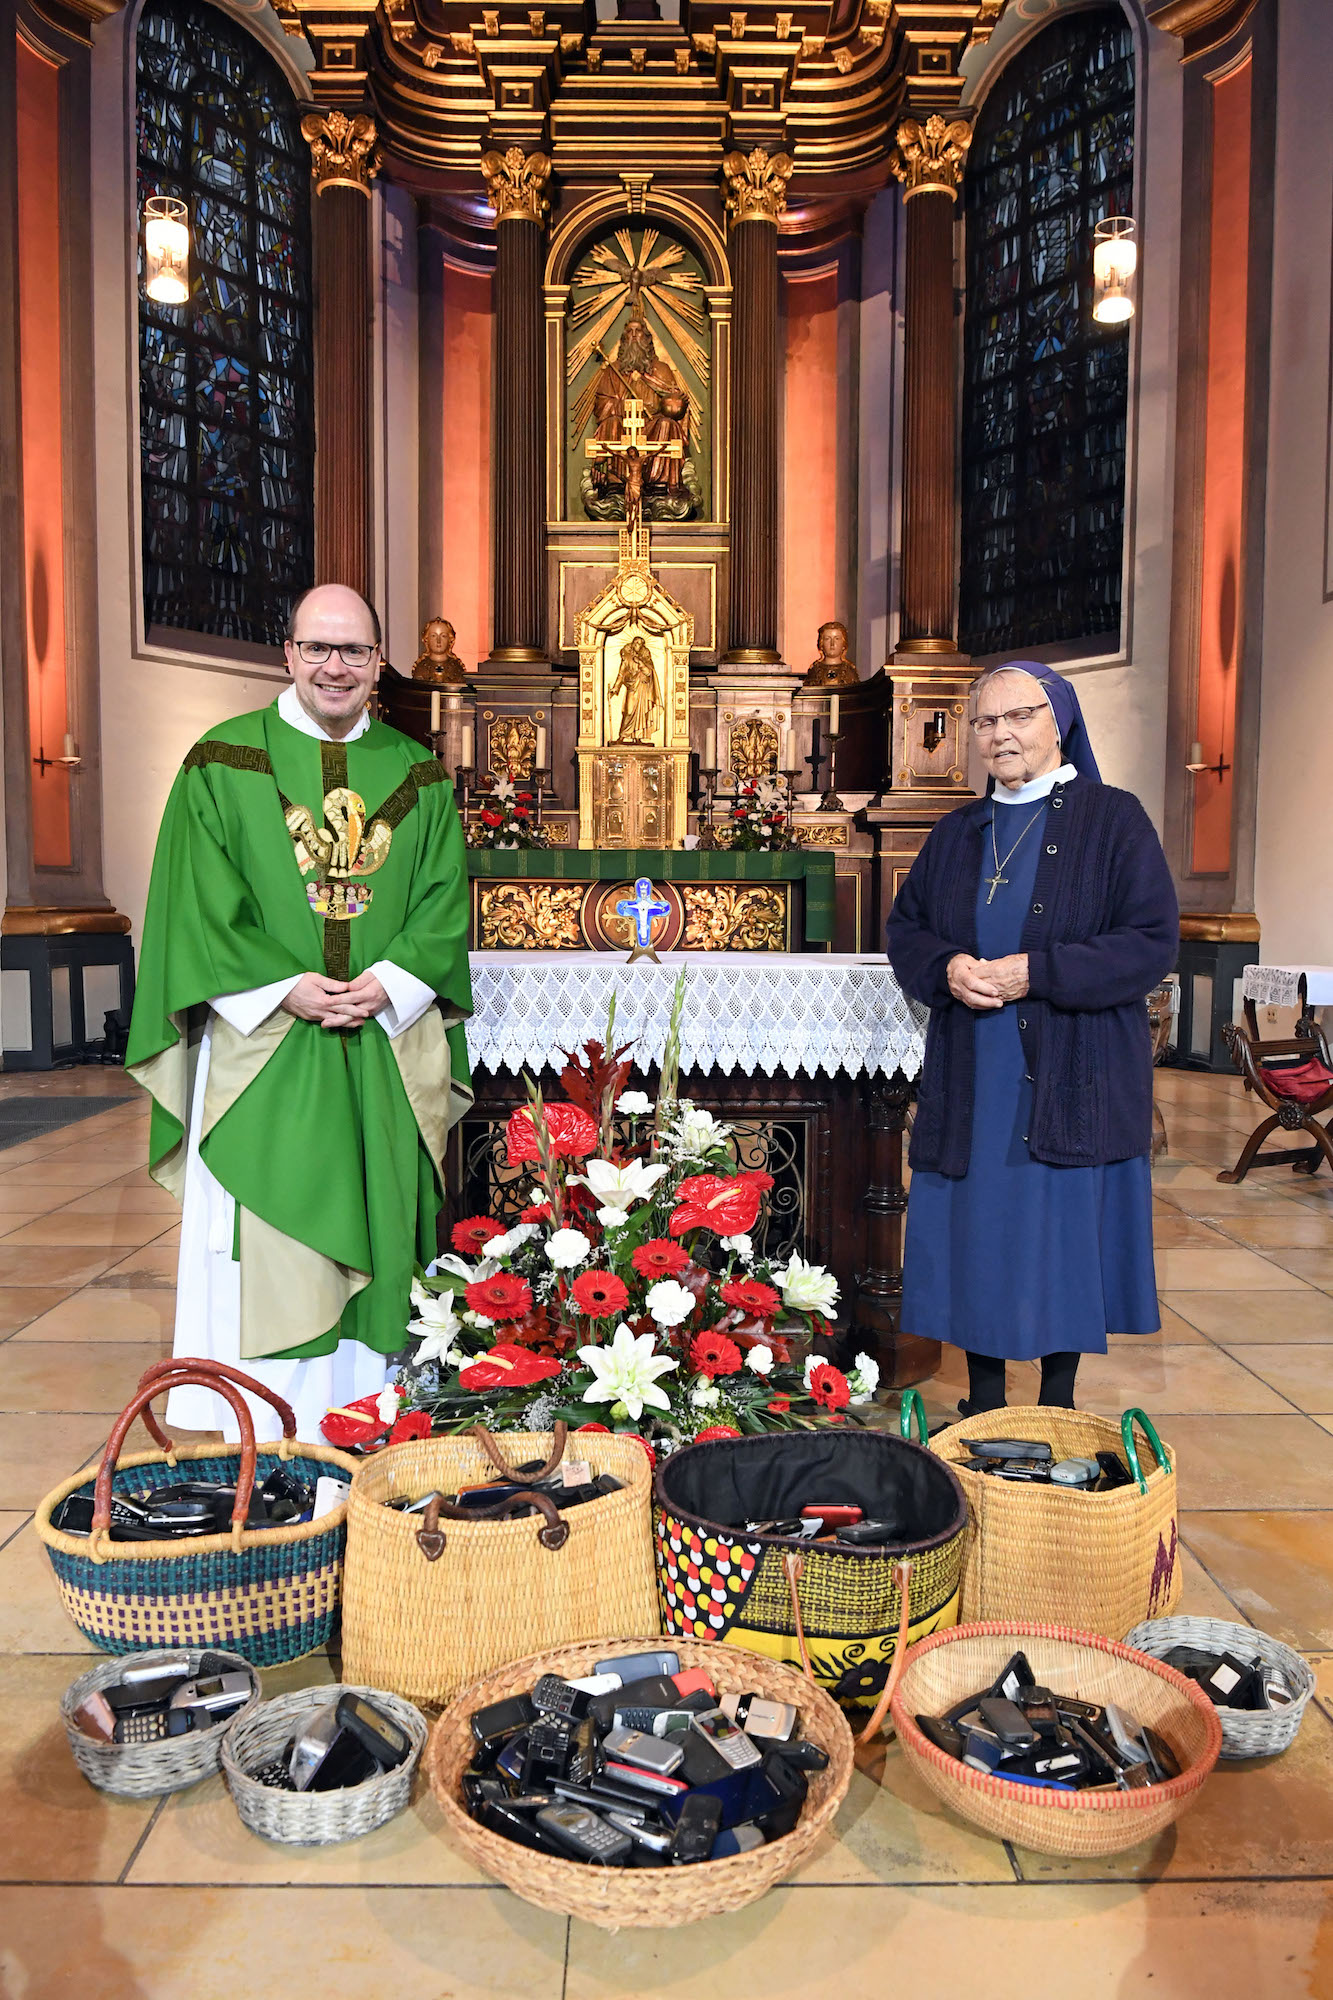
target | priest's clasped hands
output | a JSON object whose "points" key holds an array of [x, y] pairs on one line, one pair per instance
{"points": [[336, 1003], [984, 983]]}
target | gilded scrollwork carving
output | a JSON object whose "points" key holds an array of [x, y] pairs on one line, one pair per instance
{"points": [[753, 749], [819, 833], [343, 151], [756, 184], [730, 917], [512, 742], [929, 157], [516, 184], [530, 916]]}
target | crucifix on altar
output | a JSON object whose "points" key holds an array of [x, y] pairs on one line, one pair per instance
{"points": [[628, 447]]}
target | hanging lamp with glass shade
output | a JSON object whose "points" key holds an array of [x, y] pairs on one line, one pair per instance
{"points": [[1115, 257], [166, 249]]}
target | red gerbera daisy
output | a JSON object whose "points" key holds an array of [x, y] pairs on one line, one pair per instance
{"points": [[829, 1386], [713, 1354], [599, 1293], [412, 1424], [470, 1236], [749, 1296], [505, 1296], [507, 1367], [659, 1258], [779, 1404], [573, 1133], [715, 1431]]}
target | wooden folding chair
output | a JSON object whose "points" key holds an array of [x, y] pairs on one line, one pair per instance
{"points": [[1285, 1076]]}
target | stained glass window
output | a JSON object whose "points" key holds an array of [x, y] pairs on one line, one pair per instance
{"points": [[1045, 386], [225, 414]]}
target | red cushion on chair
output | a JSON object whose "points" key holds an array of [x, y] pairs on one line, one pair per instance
{"points": [[1303, 1081]]}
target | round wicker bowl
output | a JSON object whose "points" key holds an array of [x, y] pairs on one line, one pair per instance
{"points": [[1261, 1732], [314, 1819], [949, 1665], [147, 1770], [642, 1898]]}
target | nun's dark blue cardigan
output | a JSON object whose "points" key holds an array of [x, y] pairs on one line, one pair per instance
{"points": [[1102, 930]]}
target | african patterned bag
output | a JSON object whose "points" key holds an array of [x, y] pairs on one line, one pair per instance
{"points": [[1099, 1562], [269, 1594], [433, 1600], [839, 1609]]}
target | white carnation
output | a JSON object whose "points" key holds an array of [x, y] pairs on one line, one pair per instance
{"points": [[513, 1239], [760, 1359], [634, 1104], [705, 1395], [670, 1303], [566, 1248], [740, 1247], [864, 1379]]}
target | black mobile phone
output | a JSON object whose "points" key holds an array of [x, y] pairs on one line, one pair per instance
{"points": [[585, 1835], [944, 1735], [387, 1742], [777, 1796], [697, 1826], [1031, 1448], [1008, 1723], [500, 1817], [556, 1697], [493, 1726]]}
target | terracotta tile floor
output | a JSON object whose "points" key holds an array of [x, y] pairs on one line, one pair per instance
{"points": [[140, 1902]]}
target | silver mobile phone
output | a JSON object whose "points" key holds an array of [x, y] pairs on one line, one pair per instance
{"points": [[729, 1739], [311, 1745], [649, 1753]]}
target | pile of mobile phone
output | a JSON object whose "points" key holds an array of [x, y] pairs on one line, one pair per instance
{"points": [[341, 1744], [191, 1507], [167, 1698], [1232, 1682], [832, 1521], [570, 1485], [1019, 1730], [638, 1765], [1031, 1462]]}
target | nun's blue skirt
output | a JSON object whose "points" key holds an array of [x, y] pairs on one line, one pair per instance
{"points": [[1019, 1259]]}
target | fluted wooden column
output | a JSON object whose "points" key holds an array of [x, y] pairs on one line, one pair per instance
{"points": [[756, 188], [929, 162], [344, 160], [515, 182]]}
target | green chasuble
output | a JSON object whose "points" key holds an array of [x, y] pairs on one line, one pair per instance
{"points": [[281, 854]]}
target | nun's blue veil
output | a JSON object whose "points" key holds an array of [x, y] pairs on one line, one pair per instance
{"points": [[1061, 695]]}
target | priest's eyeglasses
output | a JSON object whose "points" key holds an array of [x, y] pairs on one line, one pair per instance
{"points": [[318, 652], [1017, 718]]}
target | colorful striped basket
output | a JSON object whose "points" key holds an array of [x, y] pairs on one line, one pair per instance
{"points": [[269, 1594]]}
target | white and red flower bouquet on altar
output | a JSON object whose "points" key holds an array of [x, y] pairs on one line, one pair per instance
{"points": [[628, 1295]]}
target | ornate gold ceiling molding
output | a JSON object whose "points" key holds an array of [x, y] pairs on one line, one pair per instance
{"points": [[516, 184], [929, 157], [1200, 25], [755, 185], [343, 150]]}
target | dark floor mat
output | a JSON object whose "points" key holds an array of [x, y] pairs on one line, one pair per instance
{"points": [[34, 1117]]}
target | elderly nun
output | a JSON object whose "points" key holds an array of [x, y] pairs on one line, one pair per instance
{"points": [[1033, 924]]}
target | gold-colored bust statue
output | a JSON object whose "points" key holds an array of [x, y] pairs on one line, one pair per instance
{"points": [[437, 662], [832, 669]]}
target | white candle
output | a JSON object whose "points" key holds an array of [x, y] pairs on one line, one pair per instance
{"points": [[69, 749], [833, 715], [1196, 753], [435, 713], [468, 740], [541, 747], [710, 749], [782, 744]]}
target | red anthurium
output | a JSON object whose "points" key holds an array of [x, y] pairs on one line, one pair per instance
{"points": [[715, 1431], [573, 1133], [507, 1367], [489, 817], [713, 1354], [412, 1424], [829, 1386], [539, 1212], [470, 1236], [355, 1423], [729, 1206], [505, 1296], [659, 1258], [752, 1298], [599, 1293], [604, 1428]]}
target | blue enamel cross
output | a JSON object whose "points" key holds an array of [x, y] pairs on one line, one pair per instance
{"points": [[641, 908]]}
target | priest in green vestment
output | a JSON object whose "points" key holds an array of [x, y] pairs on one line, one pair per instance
{"points": [[303, 980]]}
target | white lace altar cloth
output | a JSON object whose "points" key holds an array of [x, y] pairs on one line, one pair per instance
{"points": [[1279, 985], [768, 1011]]}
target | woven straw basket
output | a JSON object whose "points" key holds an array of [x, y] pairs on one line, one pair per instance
{"points": [[643, 1898], [425, 1624], [314, 1819], [942, 1669], [1099, 1562], [1245, 1732], [146, 1770]]}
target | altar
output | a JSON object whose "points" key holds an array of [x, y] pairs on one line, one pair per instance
{"points": [[809, 1058]]}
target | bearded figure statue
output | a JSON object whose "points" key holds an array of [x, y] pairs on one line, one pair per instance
{"points": [[670, 485]]}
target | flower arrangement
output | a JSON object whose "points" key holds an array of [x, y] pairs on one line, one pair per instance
{"points": [[629, 1294], [758, 819], [506, 816]]}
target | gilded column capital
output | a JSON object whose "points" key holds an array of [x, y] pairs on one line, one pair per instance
{"points": [[929, 157], [343, 151], [516, 184], [756, 185]]}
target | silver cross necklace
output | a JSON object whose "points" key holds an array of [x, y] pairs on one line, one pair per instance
{"points": [[999, 879]]}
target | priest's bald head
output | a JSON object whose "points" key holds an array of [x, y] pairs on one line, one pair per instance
{"points": [[333, 655]]}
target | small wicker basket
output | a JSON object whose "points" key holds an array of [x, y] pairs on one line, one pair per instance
{"points": [[146, 1770], [944, 1668], [647, 1899], [1261, 1732], [315, 1819]]}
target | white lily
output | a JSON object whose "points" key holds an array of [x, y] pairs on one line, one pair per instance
{"points": [[627, 1370], [864, 1379], [459, 1267], [808, 1287], [698, 1132], [567, 1247], [619, 1187], [436, 1326], [670, 1303]]}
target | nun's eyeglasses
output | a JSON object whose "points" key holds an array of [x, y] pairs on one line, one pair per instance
{"points": [[1017, 718]]}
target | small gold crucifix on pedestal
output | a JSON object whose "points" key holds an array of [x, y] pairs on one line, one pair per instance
{"points": [[630, 446]]}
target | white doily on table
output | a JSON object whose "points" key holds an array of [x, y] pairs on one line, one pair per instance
{"points": [[743, 1010], [1278, 985]]}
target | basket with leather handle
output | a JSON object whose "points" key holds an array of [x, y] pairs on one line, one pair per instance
{"points": [[1099, 1562], [432, 1601], [269, 1594]]}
